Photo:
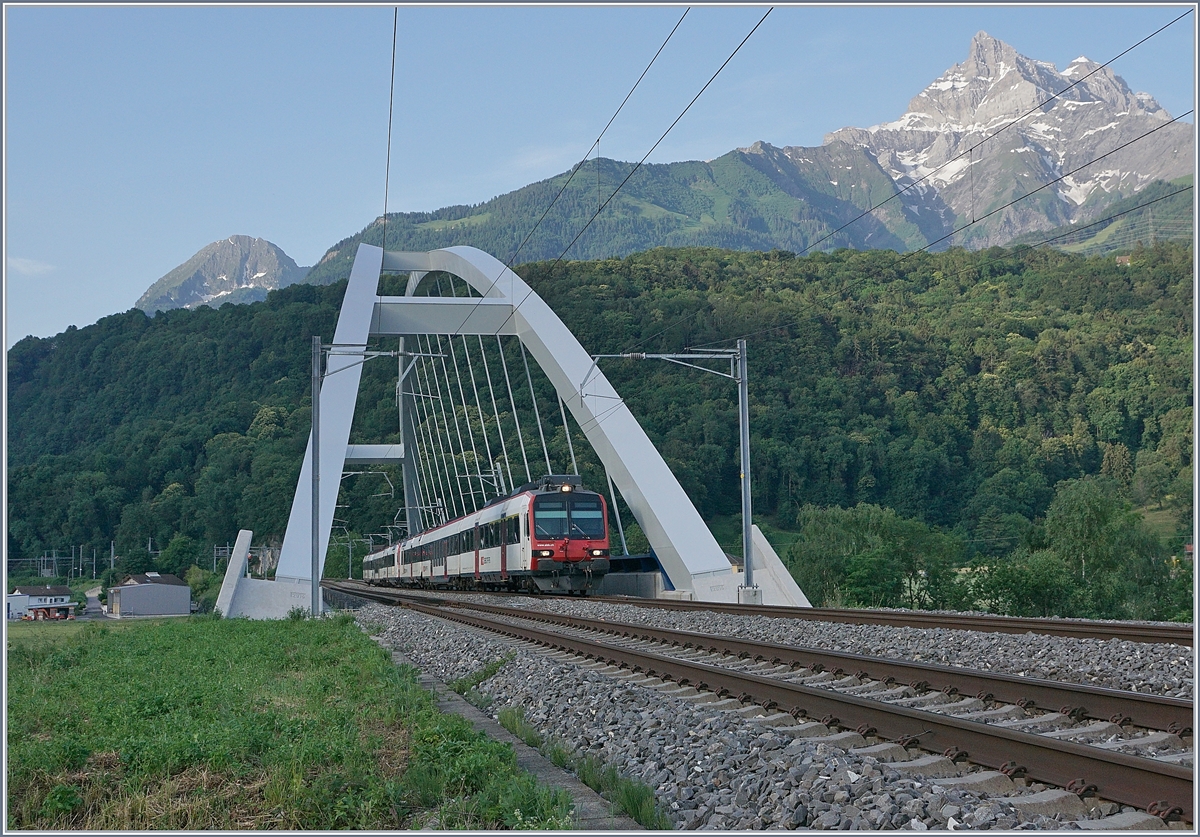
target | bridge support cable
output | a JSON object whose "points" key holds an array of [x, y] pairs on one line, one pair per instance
{"points": [[426, 463], [512, 403], [467, 419], [441, 436], [462, 475], [439, 484], [487, 443], [414, 493], [462, 450], [420, 460], [444, 438], [495, 411], [453, 283], [537, 415], [567, 432], [417, 464]]}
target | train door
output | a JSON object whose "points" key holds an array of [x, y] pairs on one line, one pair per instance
{"points": [[474, 534], [498, 526]]}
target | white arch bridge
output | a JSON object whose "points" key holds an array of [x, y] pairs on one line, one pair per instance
{"points": [[446, 471]]}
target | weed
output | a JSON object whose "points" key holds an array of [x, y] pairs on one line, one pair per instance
{"points": [[62, 799], [464, 684], [513, 720], [297, 614], [634, 798], [478, 699], [372, 628]]}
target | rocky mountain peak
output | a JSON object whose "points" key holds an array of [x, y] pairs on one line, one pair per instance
{"points": [[235, 269], [1001, 118]]}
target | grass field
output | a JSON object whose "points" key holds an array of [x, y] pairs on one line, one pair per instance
{"points": [[202, 723]]}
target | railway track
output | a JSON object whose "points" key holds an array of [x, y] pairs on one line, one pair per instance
{"points": [[1076, 628], [897, 704]]}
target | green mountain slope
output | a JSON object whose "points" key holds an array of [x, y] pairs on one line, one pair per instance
{"points": [[754, 199], [1160, 212]]}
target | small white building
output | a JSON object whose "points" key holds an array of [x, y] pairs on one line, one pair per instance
{"points": [[40, 603], [151, 594]]}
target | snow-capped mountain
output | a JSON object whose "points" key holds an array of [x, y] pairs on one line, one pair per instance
{"points": [[948, 136], [235, 269]]}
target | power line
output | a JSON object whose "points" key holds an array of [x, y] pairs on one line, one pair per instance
{"points": [[986, 139], [1047, 185], [660, 139], [387, 171], [575, 170], [638, 166]]}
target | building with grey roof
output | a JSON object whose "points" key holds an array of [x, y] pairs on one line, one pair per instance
{"points": [[150, 594]]}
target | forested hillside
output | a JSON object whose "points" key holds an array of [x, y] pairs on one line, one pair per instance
{"points": [[1006, 407]]}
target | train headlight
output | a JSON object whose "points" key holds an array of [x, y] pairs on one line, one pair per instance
{"points": [[544, 553], [598, 553], [565, 487]]}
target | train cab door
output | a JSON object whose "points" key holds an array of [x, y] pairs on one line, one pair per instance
{"points": [[475, 544]]}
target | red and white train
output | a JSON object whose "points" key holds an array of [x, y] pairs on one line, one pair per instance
{"points": [[549, 536]]}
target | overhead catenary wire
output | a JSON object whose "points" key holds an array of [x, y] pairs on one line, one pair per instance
{"points": [[992, 136], [637, 167], [387, 170], [577, 168], [1047, 185], [599, 210]]}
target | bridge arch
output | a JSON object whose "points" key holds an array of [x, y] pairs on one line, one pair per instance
{"points": [[688, 553]]}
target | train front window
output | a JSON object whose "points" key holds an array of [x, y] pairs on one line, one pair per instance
{"points": [[587, 518], [550, 517]]}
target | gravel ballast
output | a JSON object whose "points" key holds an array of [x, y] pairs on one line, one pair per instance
{"points": [[712, 769]]}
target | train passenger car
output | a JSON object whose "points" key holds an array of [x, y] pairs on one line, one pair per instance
{"points": [[547, 536]]}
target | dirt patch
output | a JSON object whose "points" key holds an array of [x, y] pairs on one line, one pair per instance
{"points": [[392, 752]]}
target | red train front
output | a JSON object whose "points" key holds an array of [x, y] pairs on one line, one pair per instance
{"points": [[549, 536]]}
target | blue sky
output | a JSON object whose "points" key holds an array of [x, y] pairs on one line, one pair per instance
{"points": [[135, 135]]}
